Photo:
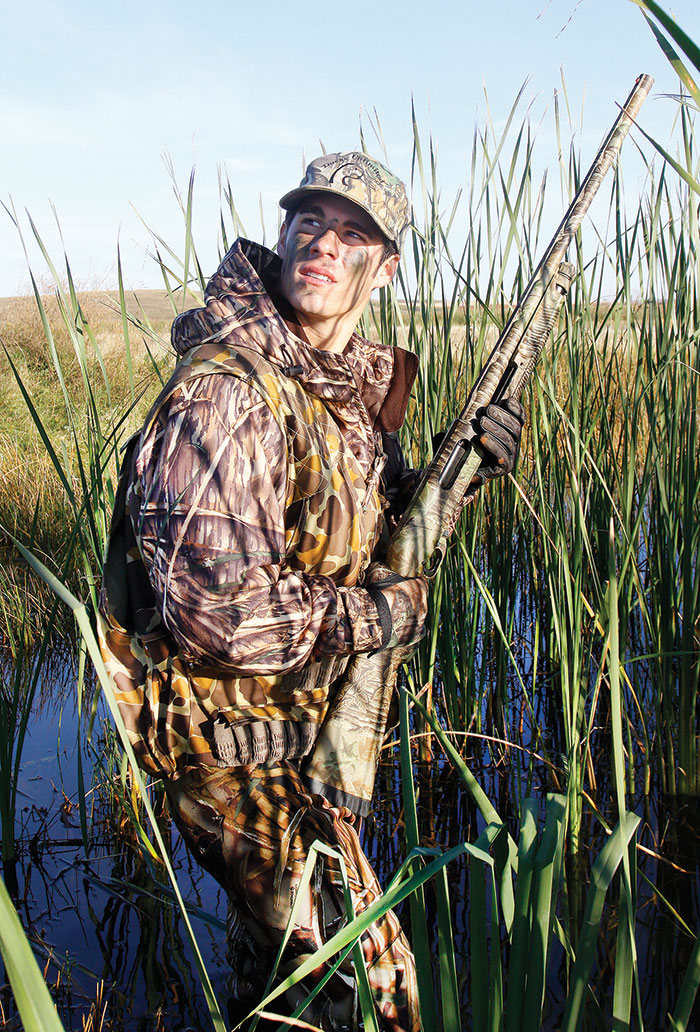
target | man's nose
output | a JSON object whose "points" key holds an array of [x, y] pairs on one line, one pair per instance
{"points": [[327, 243]]}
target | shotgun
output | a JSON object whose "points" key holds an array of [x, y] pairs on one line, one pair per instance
{"points": [[343, 762]]}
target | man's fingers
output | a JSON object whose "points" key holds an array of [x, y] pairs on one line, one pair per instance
{"points": [[500, 436], [496, 447], [514, 407], [501, 426], [510, 417]]}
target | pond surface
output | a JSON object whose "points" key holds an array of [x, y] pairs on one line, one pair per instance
{"points": [[108, 916], [104, 926]]}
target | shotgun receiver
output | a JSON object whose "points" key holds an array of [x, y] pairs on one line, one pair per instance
{"points": [[342, 765]]}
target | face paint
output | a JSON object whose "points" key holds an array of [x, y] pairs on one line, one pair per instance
{"points": [[332, 259]]}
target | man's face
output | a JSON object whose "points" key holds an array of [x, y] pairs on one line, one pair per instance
{"points": [[332, 260]]}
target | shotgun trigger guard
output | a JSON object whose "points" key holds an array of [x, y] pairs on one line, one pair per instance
{"points": [[434, 562]]}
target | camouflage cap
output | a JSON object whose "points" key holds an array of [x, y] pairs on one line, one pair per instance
{"points": [[364, 181]]}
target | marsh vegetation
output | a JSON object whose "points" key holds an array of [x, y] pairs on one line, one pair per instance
{"points": [[538, 822]]}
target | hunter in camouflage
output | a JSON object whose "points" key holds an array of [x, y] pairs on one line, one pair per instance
{"points": [[241, 575], [249, 508], [209, 506]]}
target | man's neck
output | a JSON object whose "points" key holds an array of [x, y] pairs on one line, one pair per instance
{"points": [[329, 334]]}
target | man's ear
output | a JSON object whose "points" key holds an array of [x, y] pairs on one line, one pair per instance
{"points": [[281, 240], [386, 271]]}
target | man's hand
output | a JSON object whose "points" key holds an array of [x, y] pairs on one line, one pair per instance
{"points": [[402, 605], [500, 428], [501, 425]]}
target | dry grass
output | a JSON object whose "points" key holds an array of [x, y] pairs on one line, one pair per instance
{"points": [[22, 333], [154, 304], [33, 503]]}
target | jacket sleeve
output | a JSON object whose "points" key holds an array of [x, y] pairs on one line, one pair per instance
{"points": [[208, 507]]}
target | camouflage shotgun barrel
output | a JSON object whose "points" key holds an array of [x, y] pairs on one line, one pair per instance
{"points": [[342, 765]]}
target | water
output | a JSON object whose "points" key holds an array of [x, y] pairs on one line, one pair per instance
{"points": [[107, 917]]}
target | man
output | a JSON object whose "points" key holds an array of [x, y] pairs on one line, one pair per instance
{"points": [[240, 578]]}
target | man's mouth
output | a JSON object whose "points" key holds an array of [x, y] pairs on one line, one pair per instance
{"points": [[316, 274]]}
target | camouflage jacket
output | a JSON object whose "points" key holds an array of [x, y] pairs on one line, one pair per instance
{"points": [[248, 510]]}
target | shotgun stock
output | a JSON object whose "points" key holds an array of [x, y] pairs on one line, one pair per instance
{"points": [[342, 765]]}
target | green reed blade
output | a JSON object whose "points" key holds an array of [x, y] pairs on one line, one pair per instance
{"points": [[626, 956], [420, 938], [519, 954], [485, 958], [478, 946], [80, 687], [688, 991], [545, 887], [687, 178], [689, 48], [33, 999], [602, 874], [125, 324], [674, 60], [504, 875], [449, 993], [495, 1020]]}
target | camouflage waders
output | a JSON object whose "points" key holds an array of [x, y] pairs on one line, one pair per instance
{"points": [[251, 828]]}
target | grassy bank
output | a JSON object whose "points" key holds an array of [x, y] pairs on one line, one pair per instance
{"points": [[65, 381]]}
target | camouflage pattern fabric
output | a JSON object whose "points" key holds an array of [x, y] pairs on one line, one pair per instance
{"points": [[252, 506], [246, 515], [251, 828]]}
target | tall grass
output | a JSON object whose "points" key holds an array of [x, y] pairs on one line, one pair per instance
{"points": [[613, 435], [565, 618]]}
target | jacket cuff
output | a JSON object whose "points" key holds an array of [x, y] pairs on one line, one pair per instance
{"points": [[383, 614], [358, 610]]}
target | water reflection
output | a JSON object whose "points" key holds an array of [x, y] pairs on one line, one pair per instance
{"points": [[111, 917]]}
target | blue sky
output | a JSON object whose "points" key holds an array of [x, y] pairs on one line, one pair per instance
{"points": [[95, 95]]}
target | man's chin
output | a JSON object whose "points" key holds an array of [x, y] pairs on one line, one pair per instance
{"points": [[308, 302]]}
